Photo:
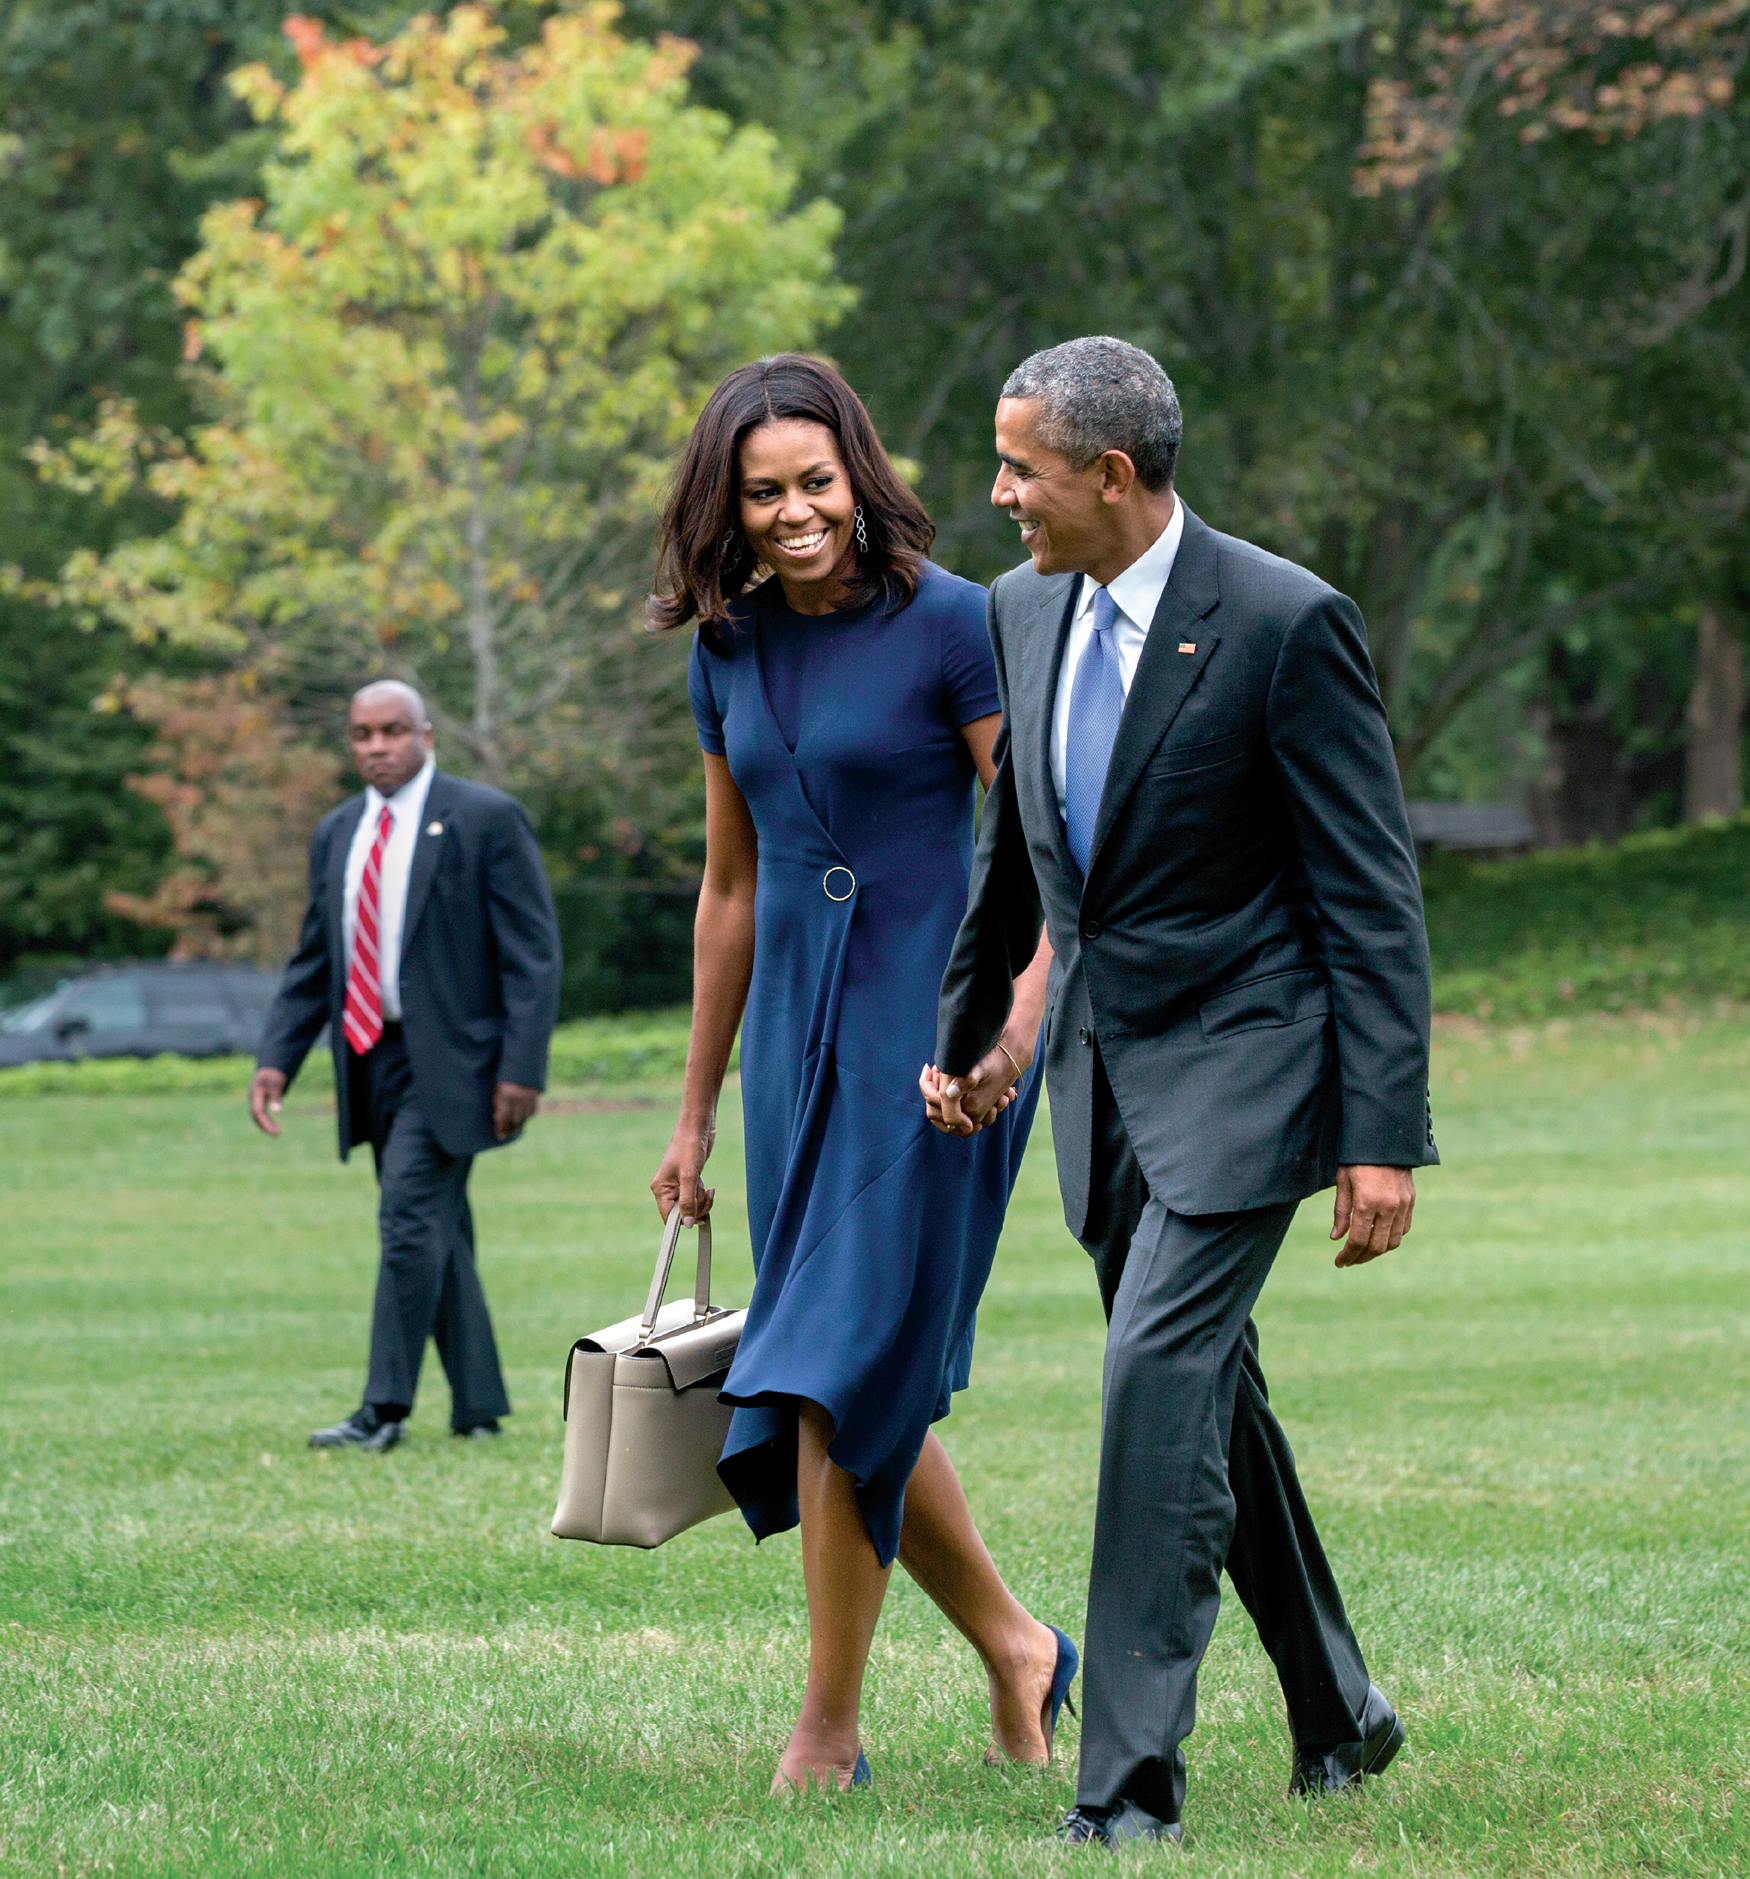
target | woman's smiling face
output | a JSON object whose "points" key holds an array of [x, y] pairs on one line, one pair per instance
{"points": [[798, 509]]}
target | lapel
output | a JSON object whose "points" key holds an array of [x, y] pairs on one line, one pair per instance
{"points": [[1049, 631], [1164, 675], [338, 849], [426, 848]]}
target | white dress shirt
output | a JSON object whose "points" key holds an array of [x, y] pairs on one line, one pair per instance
{"points": [[1136, 593], [407, 806]]}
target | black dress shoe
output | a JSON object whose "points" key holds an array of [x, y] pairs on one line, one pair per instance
{"points": [[1349, 1763], [1113, 1827], [362, 1429], [477, 1430]]}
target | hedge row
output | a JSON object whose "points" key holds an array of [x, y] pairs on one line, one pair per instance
{"points": [[1656, 919], [643, 1046]]}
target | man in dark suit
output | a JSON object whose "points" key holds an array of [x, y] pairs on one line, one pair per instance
{"points": [[431, 950], [1196, 793]]}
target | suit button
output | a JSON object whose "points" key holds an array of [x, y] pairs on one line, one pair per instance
{"points": [[1090, 929], [1082, 1034]]}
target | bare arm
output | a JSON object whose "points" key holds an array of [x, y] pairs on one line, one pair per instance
{"points": [[965, 1104], [722, 968]]}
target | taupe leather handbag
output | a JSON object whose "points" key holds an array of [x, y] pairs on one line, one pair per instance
{"points": [[643, 1426]]}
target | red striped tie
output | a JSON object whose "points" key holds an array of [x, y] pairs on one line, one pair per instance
{"points": [[363, 1019]]}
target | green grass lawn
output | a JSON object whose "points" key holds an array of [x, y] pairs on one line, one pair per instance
{"points": [[1527, 1438]]}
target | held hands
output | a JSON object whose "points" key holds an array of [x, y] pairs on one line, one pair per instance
{"points": [[266, 1099], [512, 1105], [962, 1105], [677, 1182], [1374, 1206]]}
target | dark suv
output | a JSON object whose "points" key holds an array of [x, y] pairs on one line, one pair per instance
{"points": [[196, 1009]]}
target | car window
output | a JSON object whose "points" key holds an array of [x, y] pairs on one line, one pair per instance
{"points": [[202, 1002], [104, 1005], [35, 1016]]}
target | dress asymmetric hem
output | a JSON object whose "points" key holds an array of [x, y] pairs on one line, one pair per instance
{"points": [[873, 1234]]}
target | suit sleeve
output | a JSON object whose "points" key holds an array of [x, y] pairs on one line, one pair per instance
{"points": [[1333, 753], [525, 930], [301, 1007], [1000, 932]]}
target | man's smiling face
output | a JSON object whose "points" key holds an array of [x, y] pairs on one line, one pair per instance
{"points": [[1064, 519]]}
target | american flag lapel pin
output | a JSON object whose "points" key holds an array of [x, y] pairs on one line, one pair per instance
{"points": [[1187, 645]]}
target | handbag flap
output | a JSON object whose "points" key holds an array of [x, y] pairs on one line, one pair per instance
{"points": [[622, 1336], [699, 1351]]}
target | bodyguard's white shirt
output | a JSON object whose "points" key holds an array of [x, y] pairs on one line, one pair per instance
{"points": [[1136, 593], [407, 806]]}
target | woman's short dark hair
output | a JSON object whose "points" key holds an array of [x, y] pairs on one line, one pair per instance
{"points": [[704, 560]]}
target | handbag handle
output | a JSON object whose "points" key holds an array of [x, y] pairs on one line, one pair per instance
{"points": [[664, 1260]]}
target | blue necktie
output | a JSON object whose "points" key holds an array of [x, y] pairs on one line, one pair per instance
{"points": [[1095, 705]]}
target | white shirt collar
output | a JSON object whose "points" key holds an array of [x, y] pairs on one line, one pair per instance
{"points": [[409, 799], [1137, 591]]}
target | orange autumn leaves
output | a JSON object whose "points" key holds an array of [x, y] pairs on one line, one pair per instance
{"points": [[1593, 66]]}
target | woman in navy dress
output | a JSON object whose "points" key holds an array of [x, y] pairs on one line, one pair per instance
{"points": [[846, 698]]}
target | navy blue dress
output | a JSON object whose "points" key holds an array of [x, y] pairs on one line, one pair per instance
{"points": [[873, 1233]]}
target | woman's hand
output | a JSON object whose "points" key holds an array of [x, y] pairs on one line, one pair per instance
{"points": [[963, 1105], [677, 1181]]}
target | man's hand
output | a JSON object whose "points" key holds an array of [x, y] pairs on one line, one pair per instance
{"points": [[963, 1105], [1374, 1206], [512, 1106], [266, 1098]]}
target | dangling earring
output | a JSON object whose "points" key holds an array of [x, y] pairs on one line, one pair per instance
{"points": [[729, 550], [862, 532]]}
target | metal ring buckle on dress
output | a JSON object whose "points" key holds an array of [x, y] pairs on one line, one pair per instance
{"points": [[826, 883]]}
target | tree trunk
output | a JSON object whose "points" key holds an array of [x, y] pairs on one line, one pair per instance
{"points": [[479, 614], [1580, 796], [1713, 781]]}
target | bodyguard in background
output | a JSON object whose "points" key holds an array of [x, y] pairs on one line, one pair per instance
{"points": [[431, 950]]}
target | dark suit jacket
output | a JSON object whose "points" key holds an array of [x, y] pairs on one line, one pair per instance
{"points": [[479, 961], [1248, 948]]}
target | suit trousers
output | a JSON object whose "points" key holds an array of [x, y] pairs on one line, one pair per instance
{"points": [[1195, 1474], [427, 1283]]}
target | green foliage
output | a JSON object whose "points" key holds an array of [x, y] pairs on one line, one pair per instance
{"points": [[646, 1045], [1524, 1436], [1488, 405], [116, 132], [628, 943], [447, 358], [72, 831], [1660, 917]]}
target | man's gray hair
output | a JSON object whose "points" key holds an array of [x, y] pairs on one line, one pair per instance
{"points": [[405, 692], [1103, 394]]}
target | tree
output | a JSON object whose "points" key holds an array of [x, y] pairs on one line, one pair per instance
{"points": [[447, 360], [1633, 112], [113, 118], [1457, 391], [240, 793]]}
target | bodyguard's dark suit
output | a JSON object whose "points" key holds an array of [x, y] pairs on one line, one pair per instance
{"points": [[1239, 1003], [479, 986]]}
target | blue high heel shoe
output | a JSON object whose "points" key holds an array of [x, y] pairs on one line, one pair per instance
{"points": [[861, 1777], [1069, 1661]]}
